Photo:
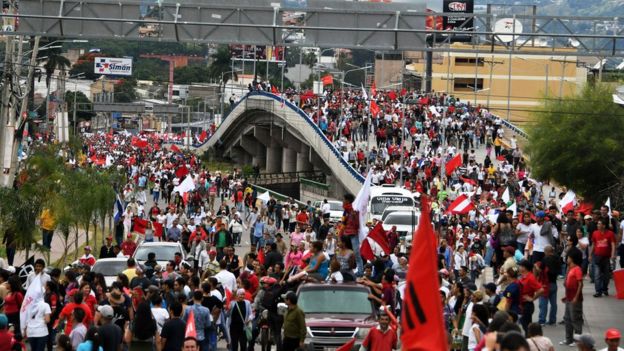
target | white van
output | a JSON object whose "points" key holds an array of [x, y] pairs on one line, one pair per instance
{"points": [[384, 196]]}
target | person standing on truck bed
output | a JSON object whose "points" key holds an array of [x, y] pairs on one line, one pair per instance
{"points": [[294, 324]]}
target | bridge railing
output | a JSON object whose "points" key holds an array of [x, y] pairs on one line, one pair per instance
{"points": [[515, 129], [314, 187], [286, 177]]}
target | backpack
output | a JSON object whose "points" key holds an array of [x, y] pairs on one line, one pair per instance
{"points": [[269, 300]]}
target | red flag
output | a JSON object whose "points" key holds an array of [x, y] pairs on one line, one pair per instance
{"points": [[203, 136], [228, 298], [584, 207], [181, 172], [175, 149], [374, 108], [468, 180], [500, 158], [373, 89], [158, 229], [261, 255], [348, 346], [422, 323], [453, 164], [377, 235], [185, 197], [461, 205], [392, 95], [403, 92], [139, 225], [190, 331], [140, 143], [274, 90], [327, 80], [132, 160]]}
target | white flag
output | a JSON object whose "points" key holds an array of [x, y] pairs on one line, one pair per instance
{"points": [[360, 204], [34, 294], [608, 204], [187, 185], [265, 197], [364, 95], [513, 208], [505, 196], [568, 199]]}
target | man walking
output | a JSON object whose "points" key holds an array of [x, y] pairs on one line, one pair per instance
{"points": [[352, 229], [549, 269], [603, 241], [294, 324], [382, 338], [573, 299]]}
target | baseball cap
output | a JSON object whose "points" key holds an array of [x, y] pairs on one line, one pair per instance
{"points": [[106, 311], [587, 217], [585, 339], [472, 287], [612, 333], [510, 249], [4, 321], [212, 252], [87, 248], [109, 238], [289, 296], [540, 214]]}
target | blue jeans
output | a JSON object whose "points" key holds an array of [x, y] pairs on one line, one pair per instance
{"points": [[543, 305], [601, 270], [355, 243], [212, 339], [38, 343], [489, 253]]}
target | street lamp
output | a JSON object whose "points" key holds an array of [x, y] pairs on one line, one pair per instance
{"points": [[344, 77]]}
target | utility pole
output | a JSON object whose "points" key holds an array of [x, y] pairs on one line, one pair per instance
{"points": [[491, 63]]}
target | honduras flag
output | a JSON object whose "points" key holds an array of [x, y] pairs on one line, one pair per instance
{"points": [[118, 210]]}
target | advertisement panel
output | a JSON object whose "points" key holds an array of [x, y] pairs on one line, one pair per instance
{"points": [[111, 66], [459, 23]]}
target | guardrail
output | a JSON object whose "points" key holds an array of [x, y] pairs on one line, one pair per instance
{"points": [[314, 187], [286, 177], [277, 196], [515, 129]]}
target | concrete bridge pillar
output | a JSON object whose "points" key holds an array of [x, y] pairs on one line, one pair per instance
{"points": [[289, 160], [303, 163], [273, 159]]}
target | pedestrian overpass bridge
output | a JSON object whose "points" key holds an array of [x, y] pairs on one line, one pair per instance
{"points": [[262, 129]]}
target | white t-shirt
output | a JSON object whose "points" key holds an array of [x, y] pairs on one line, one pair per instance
{"points": [[472, 338], [35, 324], [336, 276], [160, 315], [227, 279], [607, 349], [525, 230], [540, 241], [326, 208]]}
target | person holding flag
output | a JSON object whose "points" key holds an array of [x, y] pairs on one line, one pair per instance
{"points": [[351, 229]]}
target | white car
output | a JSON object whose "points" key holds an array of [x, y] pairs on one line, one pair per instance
{"points": [[109, 268], [335, 210], [165, 251], [406, 223]]}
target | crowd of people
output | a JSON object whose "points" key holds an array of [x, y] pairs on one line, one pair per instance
{"points": [[404, 138]]}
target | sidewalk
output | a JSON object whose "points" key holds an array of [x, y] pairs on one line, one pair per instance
{"points": [[58, 247]]}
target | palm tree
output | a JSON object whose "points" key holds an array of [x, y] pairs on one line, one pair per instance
{"points": [[55, 61], [221, 65]]}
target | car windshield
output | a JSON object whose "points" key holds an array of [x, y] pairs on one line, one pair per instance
{"points": [[380, 203], [335, 206], [109, 268], [401, 219], [163, 253], [335, 301]]}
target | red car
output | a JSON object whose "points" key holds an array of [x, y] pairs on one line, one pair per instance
{"points": [[335, 314]]}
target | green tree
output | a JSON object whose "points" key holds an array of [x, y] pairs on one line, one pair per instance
{"points": [[83, 105], [125, 90], [221, 64], [577, 142], [198, 73], [55, 61]]}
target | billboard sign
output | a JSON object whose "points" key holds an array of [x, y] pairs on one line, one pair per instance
{"points": [[113, 66], [458, 23]]}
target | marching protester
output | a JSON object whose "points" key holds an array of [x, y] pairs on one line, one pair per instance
{"points": [[488, 214]]}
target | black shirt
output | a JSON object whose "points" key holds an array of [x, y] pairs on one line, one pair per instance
{"points": [[111, 336], [210, 302], [173, 331]]}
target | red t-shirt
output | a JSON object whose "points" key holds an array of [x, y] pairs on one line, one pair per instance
{"points": [[6, 340], [529, 285], [572, 282], [302, 217], [67, 313], [380, 341], [602, 242]]}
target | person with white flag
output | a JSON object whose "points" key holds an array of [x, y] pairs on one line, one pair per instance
{"points": [[37, 319], [359, 207], [31, 306]]}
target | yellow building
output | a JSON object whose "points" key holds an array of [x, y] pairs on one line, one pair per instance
{"points": [[483, 79]]}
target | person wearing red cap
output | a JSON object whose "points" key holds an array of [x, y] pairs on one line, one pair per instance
{"points": [[612, 339], [107, 250], [87, 258]]}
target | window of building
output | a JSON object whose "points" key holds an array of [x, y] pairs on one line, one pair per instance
{"points": [[468, 84], [468, 61]]}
